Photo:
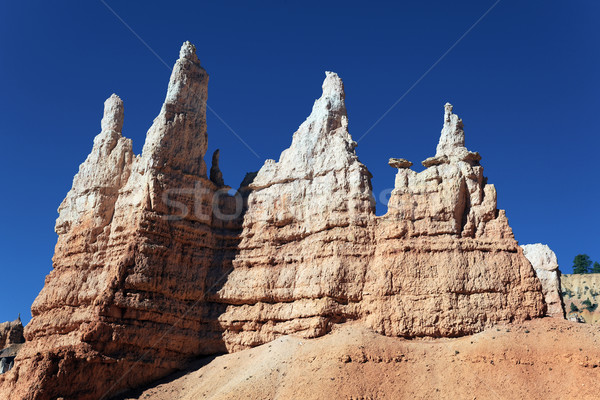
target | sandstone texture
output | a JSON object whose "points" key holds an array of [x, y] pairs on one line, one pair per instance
{"points": [[545, 264], [442, 262], [399, 163], [156, 263], [138, 249], [545, 358], [11, 333], [306, 238]]}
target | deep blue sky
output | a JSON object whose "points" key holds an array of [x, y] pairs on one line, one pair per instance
{"points": [[525, 81]]}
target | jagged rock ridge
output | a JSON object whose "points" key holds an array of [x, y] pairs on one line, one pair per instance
{"points": [[138, 250], [148, 274], [442, 262]]}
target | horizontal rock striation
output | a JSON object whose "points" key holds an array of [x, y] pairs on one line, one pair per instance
{"points": [[442, 262], [139, 250], [306, 236], [446, 262], [156, 263]]}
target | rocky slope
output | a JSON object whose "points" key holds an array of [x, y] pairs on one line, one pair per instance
{"points": [[156, 264], [546, 358], [580, 288], [545, 264]]}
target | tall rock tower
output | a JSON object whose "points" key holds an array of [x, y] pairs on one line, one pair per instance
{"points": [[306, 237], [139, 251]]}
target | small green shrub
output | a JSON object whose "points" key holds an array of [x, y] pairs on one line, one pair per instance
{"points": [[587, 303]]}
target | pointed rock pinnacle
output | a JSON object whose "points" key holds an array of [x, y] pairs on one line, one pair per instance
{"points": [[333, 85], [113, 114], [452, 138], [448, 111], [178, 137], [329, 111], [216, 176], [188, 51]]}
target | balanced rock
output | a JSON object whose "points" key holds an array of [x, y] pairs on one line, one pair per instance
{"points": [[399, 163], [545, 264]]}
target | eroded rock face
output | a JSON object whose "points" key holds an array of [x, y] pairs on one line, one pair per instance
{"points": [[442, 262], [139, 250], [153, 264], [446, 262], [545, 263], [11, 332], [306, 235]]}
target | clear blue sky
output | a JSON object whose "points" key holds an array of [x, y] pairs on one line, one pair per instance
{"points": [[525, 80]]}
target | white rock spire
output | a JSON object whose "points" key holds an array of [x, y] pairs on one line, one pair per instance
{"points": [[452, 139], [178, 138]]}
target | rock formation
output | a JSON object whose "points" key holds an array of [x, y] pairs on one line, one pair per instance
{"points": [[442, 262], [11, 332], [399, 163], [446, 262], [216, 176], [153, 265], [306, 237], [11, 340], [545, 264], [138, 250]]}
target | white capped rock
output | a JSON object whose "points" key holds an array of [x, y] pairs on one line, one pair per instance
{"points": [[545, 263]]}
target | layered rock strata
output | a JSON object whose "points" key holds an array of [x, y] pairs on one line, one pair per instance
{"points": [[153, 265], [446, 261], [442, 262], [545, 264], [307, 234], [139, 249]]}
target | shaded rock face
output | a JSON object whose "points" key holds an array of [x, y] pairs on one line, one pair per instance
{"points": [[155, 263], [442, 262], [138, 252], [545, 264], [11, 332]]}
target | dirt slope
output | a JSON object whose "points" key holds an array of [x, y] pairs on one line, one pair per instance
{"points": [[540, 359]]}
